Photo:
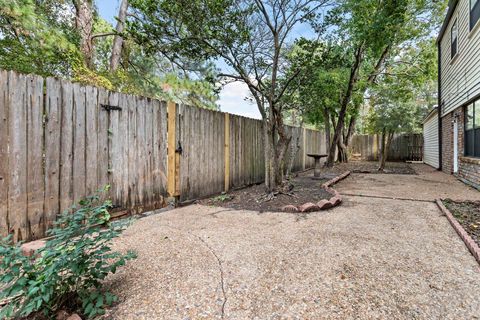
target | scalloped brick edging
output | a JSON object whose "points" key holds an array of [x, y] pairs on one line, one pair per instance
{"points": [[471, 245], [323, 204]]}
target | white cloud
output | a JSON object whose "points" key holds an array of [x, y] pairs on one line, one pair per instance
{"points": [[232, 100]]}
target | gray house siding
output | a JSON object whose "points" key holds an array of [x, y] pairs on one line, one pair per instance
{"points": [[430, 140], [460, 76]]}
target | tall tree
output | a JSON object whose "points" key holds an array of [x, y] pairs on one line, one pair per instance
{"points": [[402, 95], [118, 40], [373, 28], [84, 25], [249, 36]]}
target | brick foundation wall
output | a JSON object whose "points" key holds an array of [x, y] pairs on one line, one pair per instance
{"points": [[469, 171], [468, 168], [447, 143]]}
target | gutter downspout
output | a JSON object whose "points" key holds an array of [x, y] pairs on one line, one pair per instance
{"points": [[439, 107]]}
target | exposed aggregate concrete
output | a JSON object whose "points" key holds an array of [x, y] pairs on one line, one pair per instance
{"points": [[369, 258]]}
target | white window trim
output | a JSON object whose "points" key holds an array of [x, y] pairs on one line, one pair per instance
{"points": [[454, 58]]}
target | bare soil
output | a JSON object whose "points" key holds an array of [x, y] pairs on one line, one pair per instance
{"points": [[305, 189], [467, 214]]}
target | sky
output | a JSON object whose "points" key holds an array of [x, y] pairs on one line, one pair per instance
{"points": [[233, 96]]}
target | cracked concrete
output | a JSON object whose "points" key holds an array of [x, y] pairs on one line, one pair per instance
{"points": [[368, 258]]}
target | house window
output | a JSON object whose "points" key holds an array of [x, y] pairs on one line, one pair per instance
{"points": [[472, 129], [474, 13], [454, 39]]}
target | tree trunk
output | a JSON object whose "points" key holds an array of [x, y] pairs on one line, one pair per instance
{"points": [[345, 102], [84, 27], [342, 149], [351, 131], [118, 40], [326, 117], [294, 147], [276, 146], [387, 136], [383, 152]]}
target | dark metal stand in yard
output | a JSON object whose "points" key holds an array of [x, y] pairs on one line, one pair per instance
{"points": [[317, 157]]}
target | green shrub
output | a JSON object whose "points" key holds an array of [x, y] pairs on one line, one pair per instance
{"points": [[68, 271], [222, 197]]}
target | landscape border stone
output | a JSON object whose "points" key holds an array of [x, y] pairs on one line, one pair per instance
{"points": [[471, 245], [335, 199]]}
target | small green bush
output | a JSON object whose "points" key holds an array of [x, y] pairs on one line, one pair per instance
{"points": [[222, 197], [68, 271]]}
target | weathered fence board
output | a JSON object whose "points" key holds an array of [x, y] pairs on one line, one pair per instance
{"points": [[403, 147], [35, 187], [4, 156], [17, 184], [52, 150], [61, 141]]}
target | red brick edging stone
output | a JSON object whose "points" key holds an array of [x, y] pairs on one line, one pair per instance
{"points": [[471, 245], [323, 204]]}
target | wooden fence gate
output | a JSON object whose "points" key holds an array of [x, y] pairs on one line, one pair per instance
{"points": [[61, 141]]}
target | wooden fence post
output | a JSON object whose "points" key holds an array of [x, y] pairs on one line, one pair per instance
{"points": [[171, 157], [227, 152]]}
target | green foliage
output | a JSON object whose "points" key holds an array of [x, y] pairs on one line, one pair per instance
{"points": [[68, 270], [405, 90], [222, 198], [30, 42], [39, 37]]}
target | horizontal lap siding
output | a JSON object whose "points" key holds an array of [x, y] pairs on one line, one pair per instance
{"points": [[460, 79], [430, 146]]}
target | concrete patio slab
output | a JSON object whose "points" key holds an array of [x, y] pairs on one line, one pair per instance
{"points": [[369, 258]]}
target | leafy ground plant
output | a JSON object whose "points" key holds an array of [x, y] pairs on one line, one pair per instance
{"points": [[67, 272]]}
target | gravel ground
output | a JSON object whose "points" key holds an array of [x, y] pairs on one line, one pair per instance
{"points": [[370, 258], [371, 167], [428, 184]]}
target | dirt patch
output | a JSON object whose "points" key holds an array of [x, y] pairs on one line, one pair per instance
{"points": [[372, 167], [305, 189], [467, 214]]}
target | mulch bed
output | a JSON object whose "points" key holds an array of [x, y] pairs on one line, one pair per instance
{"points": [[467, 214], [372, 167], [305, 189]]}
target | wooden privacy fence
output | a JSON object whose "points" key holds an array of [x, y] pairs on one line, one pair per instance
{"points": [[60, 141], [404, 147]]}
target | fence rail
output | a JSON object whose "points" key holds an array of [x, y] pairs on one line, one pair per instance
{"points": [[61, 141]]}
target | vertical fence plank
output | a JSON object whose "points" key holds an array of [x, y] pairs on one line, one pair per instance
{"points": [[66, 147], [227, 152], [4, 156], [17, 188], [52, 149], [171, 147], [35, 186], [123, 141], [79, 169], [102, 140], [115, 154], [132, 152], [148, 153], [91, 147]]}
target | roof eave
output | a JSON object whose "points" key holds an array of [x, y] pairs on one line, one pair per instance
{"points": [[452, 5]]}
